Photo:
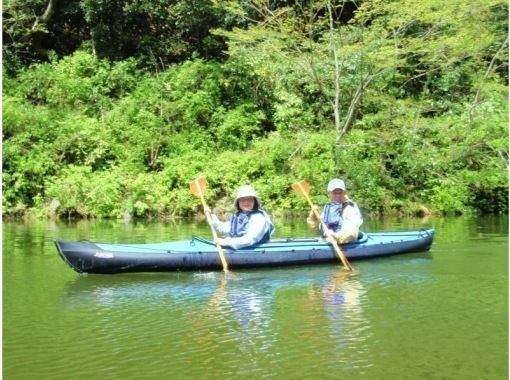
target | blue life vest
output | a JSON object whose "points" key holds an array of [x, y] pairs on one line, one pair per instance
{"points": [[240, 220], [332, 216]]}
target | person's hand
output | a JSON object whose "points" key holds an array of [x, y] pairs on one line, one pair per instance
{"points": [[335, 236], [208, 215], [330, 234], [314, 211], [341, 239], [213, 219]]}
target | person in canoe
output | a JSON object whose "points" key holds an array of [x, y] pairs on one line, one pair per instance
{"points": [[341, 215], [249, 225]]}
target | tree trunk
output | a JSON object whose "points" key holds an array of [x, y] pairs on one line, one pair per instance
{"points": [[336, 102], [37, 34], [50, 8]]}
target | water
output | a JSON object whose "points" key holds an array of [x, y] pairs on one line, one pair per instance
{"points": [[436, 315]]}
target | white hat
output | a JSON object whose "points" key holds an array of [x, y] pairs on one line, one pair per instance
{"points": [[336, 184], [247, 191]]}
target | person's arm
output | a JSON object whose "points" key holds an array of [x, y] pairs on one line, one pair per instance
{"points": [[350, 226], [257, 228], [312, 220], [219, 226]]}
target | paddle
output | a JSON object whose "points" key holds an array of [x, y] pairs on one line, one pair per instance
{"points": [[198, 188], [302, 188]]}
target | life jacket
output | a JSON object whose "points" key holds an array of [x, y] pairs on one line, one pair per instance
{"points": [[332, 214], [240, 220]]}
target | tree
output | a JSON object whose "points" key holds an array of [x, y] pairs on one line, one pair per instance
{"points": [[419, 49], [313, 40], [159, 32]]}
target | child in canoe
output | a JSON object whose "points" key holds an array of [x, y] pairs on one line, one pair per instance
{"points": [[249, 225]]}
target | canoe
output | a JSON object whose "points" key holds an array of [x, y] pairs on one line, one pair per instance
{"points": [[201, 254]]}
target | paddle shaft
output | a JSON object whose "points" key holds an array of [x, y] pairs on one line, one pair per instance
{"points": [[331, 239], [215, 235]]}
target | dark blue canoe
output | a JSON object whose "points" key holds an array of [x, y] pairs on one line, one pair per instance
{"points": [[201, 254]]}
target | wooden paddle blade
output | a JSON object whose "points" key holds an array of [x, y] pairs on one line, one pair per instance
{"points": [[198, 186], [301, 188]]}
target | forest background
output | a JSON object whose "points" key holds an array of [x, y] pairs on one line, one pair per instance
{"points": [[111, 107]]}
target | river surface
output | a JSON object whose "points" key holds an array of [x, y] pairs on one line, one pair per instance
{"points": [[441, 314]]}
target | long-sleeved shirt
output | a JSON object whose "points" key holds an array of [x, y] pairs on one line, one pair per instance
{"points": [[258, 226], [352, 221]]}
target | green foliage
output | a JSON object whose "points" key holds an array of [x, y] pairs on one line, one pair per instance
{"points": [[157, 32], [90, 137], [160, 31], [239, 126], [80, 81], [28, 156], [71, 191], [22, 36]]}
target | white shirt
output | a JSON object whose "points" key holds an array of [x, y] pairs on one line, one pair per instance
{"points": [[352, 221]]}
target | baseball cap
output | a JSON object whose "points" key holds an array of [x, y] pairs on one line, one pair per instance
{"points": [[336, 184]]}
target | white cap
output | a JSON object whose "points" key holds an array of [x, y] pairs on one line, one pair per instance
{"points": [[247, 191], [336, 184]]}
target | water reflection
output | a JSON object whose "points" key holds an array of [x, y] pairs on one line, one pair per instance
{"points": [[237, 315], [242, 304], [267, 316], [342, 297], [134, 289], [247, 292], [245, 305]]}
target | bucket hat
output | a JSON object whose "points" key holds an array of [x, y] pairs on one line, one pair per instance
{"points": [[247, 191]]}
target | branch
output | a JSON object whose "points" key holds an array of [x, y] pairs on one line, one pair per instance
{"points": [[471, 113], [350, 111], [337, 68], [356, 144], [318, 80], [300, 146], [50, 8], [503, 155], [418, 76], [354, 103]]}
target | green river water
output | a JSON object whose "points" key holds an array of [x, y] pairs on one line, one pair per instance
{"points": [[441, 314]]}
